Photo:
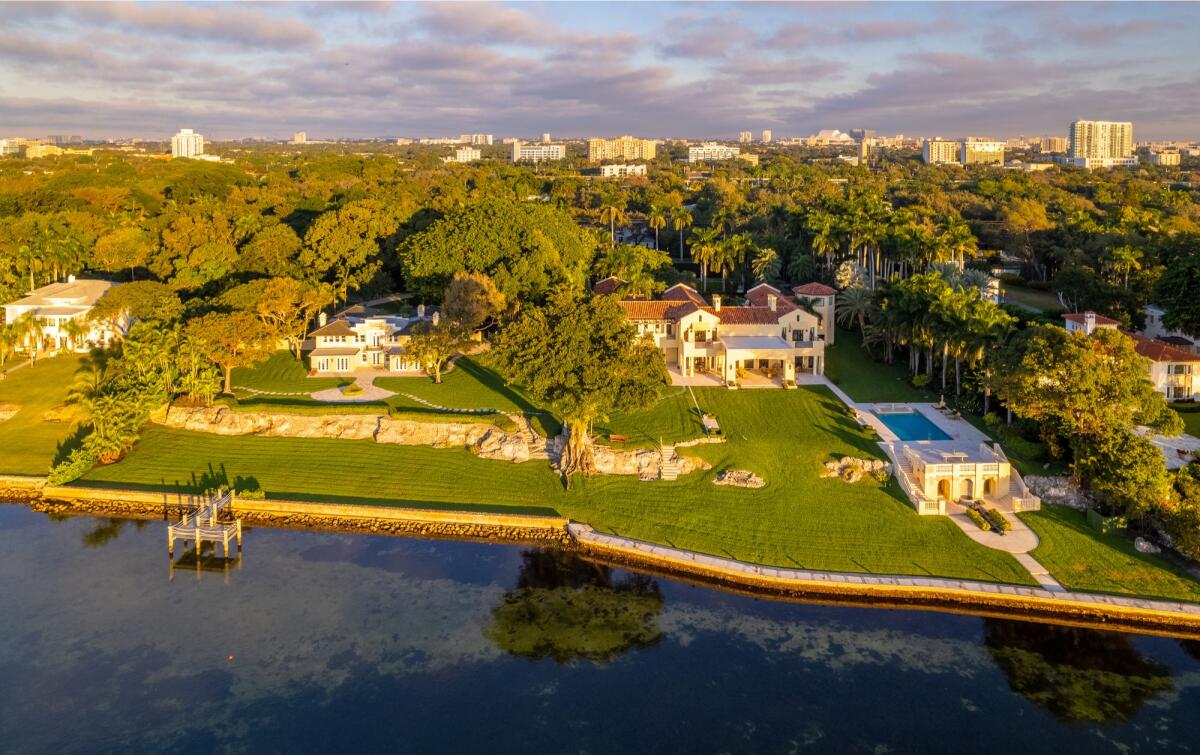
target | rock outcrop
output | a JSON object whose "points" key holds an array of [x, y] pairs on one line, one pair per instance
{"points": [[852, 469], [739, 478], [485, 440], [1145, 546], [646, 463], [1059, 491]]}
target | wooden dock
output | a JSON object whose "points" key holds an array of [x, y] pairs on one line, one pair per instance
{"points": [[206, 524]]}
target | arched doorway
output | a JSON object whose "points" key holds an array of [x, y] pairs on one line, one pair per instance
{"points": [[943, 489], [989, 487], [967, 488]]}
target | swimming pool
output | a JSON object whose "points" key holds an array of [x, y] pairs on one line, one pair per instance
{"points": [[911, 425]]}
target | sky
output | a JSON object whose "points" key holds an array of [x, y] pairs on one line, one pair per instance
{"points": [[689, 70]]}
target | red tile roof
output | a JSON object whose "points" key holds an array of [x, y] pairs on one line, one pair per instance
{"points": [[607, 286], [1157, 351], [1101, 320], [747, 315], [814, 289], [682, 292]]}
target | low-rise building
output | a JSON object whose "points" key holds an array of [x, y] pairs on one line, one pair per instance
{"points": [[464, 155], [1166, 159], [1157, 330], [62, 310], [769, 340], [536, 153], [361, 337], [1174, 371], [712, 152], [620, 171]]}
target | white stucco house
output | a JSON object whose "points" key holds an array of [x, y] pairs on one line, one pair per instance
{"points": [[769, 340], [1174, 372], [56, 305], [359, 337]]}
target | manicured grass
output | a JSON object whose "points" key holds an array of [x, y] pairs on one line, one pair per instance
{"points": [[32, 439], [1083, 559], [1042, 301], [674, 418], [1190, 412], [798, 519], [850, 367], [283, 374]]}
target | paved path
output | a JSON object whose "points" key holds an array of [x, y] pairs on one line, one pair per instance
{"points": [[586, 534], [371, 392]]}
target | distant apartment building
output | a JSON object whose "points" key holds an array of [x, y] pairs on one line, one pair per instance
{"points": [[187, 143], [477, 139], [621, 148], [940, 151], [11, 146], [536, 153], [859, 134], [440, 140], [620, 171], [464, 155], [766, 136], [973, 151], [545, 137], [712, 152], [35, 151], [300, 137], [1055, 144], [1101, 144], [1163, 158], [746, 137]]}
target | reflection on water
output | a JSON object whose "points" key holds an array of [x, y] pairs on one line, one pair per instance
{"points": [[568, 609], [332, 642]]}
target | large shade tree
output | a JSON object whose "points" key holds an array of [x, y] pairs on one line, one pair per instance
{"points": [[581, 356]]}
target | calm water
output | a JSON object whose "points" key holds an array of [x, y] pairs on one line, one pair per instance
{"points": [[327, 642], [911, 426]]}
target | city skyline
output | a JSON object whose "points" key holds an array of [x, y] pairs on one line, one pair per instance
{"points": [[653, 70]]}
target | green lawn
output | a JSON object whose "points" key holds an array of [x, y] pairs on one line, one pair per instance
{"points": [[1190, 412], [798, 519], [851, 368], [672, 419], [1083, 559], [31, 440], [283, 374], [1042, 301]]}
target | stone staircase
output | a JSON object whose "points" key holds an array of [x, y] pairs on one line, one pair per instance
{"points": [[669, 467], [902, 466], [539, 447]]}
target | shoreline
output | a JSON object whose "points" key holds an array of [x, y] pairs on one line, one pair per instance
{"points": [[991, 599]]}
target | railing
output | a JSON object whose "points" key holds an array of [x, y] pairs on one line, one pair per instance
{"points": [[894, 409]]}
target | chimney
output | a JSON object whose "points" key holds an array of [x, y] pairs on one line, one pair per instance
{"points": [[772, 302], [322, 318], [1089, 322], [717, 302], [420, 311]]}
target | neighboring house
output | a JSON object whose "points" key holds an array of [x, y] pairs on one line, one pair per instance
{"points": [[1174, 372], [771, 339], [1156, 330], [56, 305], [360, 337]]}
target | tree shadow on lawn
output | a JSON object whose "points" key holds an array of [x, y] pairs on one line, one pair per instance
{"points": [[495, 382], [69, 444]]}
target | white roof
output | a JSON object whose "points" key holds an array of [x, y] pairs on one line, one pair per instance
{"points": [[78, 293]]}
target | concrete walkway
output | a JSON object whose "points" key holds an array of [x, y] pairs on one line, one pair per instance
{"points": [[783, 575], [371, 392]]}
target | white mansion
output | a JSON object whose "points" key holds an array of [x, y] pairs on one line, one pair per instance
{"points": [[58, 304], [360, 337], [769, 340]]}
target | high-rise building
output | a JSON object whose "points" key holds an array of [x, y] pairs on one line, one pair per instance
{"points": [[766, 136], [187, 143], [859, 134], [536, 153], [746, 137], [711, 152], [1101, 144], [975, 151], [621, 148], [300, 137], [940, 151], [1055, 144], [545, 137]]}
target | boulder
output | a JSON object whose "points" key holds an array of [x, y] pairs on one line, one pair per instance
{"points": [[739, 478], [1058, 491], [852, 469], [1145, 546]]}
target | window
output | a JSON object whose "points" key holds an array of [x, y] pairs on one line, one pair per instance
{"points": [[701, 336], [670, 330]]}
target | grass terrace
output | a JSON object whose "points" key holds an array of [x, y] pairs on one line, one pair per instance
{"points": [[1031, 298], [1190, 412], [281, 373], [850, 367], [798, 519], [1083, 559], [30, 441]]}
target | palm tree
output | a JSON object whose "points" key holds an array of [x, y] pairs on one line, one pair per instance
{"points": [[706, 248], [680, 219], [75, 329], [29, 334], [656, 219], [9, 340], [734, 251], [90, 380], [766, 264], [726, 220], [613, 214], [854, 306], [823, 228]]}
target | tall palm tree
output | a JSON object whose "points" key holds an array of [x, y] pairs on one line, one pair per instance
{"points": [[823, 228], [9, 341], [76, 330], [680, 219], [613, 214], [706, 248], [854, 306], [656, 219], [90, 380], [766, 264], [733, 252], [29, 334]]}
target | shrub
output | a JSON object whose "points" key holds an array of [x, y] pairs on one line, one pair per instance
{"points": [[1012, 279], [980, 522], [869, 431], [73, 467], [354, 389], [999, 521], [920, 381], [252, 494], [1039, 285]]}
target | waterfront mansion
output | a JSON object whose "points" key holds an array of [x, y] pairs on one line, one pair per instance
{"points": [[1175, 372], [775, 336], [62, 310], [361, 337]]}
